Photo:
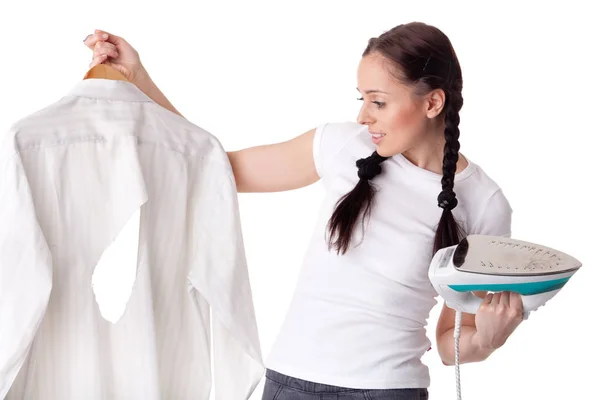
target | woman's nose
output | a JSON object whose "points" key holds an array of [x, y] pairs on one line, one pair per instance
{"points": [[363, 117]]}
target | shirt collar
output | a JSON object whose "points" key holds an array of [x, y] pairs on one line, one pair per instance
{"points": [[108, 89]]}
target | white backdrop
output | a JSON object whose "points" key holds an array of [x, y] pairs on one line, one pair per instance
{"points": [[261, 72]]}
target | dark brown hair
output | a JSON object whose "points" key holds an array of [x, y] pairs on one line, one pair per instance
{"points": [[424, 59]]}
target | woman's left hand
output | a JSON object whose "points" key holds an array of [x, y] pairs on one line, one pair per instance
{"points": [[497, 318]]}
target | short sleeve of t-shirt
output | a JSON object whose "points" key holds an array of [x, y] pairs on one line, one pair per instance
{"points": [[330, 139], [496, 217]]}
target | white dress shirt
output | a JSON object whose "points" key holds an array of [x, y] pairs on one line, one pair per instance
{"points": [[107, 187]]}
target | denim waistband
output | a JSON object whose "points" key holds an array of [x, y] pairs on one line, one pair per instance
{"points": [[306, 386]]}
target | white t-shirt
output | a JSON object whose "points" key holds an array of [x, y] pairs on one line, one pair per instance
{"points": [[358, 320]]}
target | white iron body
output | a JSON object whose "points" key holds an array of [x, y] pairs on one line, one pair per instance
{"points": [[495, 264]]}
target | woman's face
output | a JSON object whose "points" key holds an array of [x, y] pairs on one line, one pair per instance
{"points": [[397, 118]]}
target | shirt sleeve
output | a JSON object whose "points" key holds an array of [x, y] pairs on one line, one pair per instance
{"points": [[219, 275], [25, 271], [330, 139], [496, 217]]}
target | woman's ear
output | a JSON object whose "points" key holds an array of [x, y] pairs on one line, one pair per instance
{"points": [[435, 101]]}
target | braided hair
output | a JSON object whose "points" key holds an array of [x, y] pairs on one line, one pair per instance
{"points": [[424, 59], [357, 201]]}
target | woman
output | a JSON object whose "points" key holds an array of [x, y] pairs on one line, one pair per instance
{"points": [[356, 325]]}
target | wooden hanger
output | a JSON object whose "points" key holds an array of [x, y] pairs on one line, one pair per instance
{"points": [[102, 71]]}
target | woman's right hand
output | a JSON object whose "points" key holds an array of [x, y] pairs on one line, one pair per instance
{"points": [[117, 53]]}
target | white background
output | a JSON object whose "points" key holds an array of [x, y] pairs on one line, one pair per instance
{"points": [[254, 73]]}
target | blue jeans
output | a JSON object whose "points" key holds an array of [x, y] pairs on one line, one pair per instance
{"points": [[282, 387]]}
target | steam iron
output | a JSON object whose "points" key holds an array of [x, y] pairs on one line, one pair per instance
{"points": [[497, 264]]}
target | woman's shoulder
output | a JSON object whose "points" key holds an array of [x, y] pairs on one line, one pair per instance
{"points": [[486, 203], [331, 138], [339, 130]]}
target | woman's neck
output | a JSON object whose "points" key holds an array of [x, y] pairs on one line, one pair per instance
{"points": [[429, 154]]}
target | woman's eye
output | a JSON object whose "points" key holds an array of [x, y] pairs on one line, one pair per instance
{"points": [[379, 104]]}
